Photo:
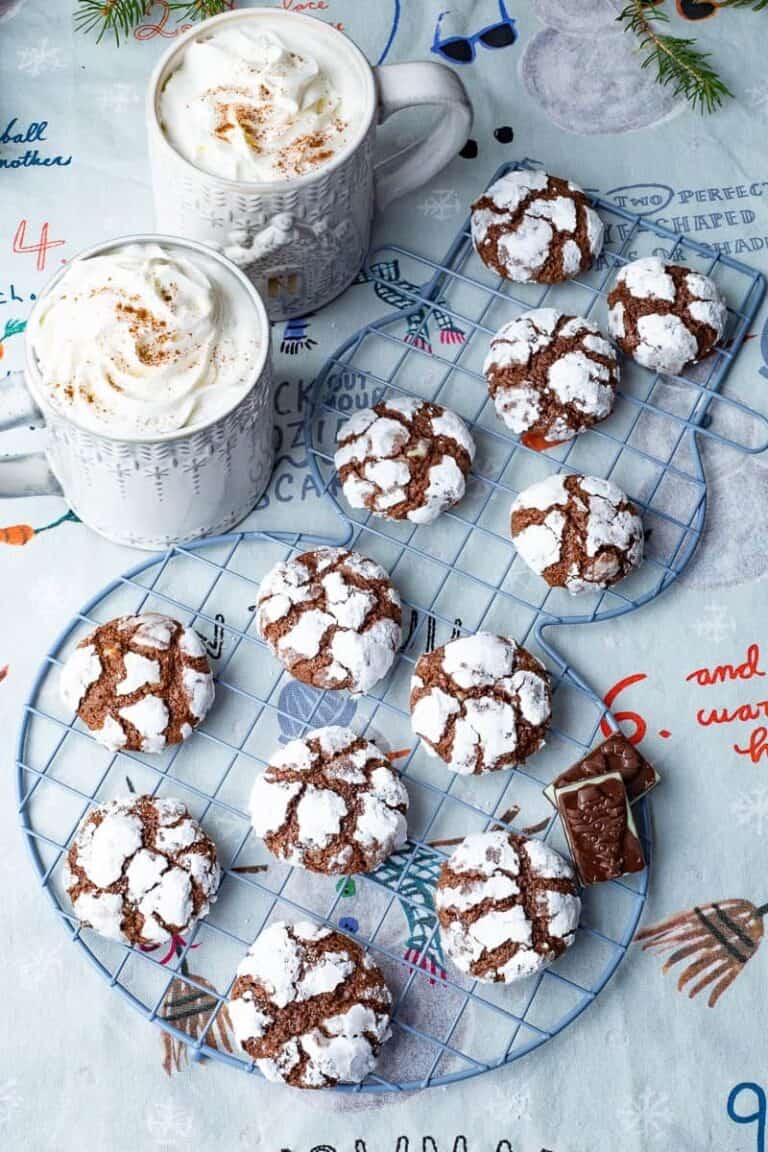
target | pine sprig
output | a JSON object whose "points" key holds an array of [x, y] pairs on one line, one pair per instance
{"points": [[678, 62], [120, 17], [202, 9], [116, 16]]}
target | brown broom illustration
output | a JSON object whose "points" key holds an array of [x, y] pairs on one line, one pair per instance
{"points": [[189, 1009], [718, 939]]}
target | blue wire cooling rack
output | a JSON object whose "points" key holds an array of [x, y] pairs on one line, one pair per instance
{"points": [[459, 574]]}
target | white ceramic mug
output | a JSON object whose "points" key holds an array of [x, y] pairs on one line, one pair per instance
{"points": [[302, 240], [148, 491]]}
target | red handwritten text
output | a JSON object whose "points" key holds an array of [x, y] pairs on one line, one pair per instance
{"points": [[41, 247], [706, 677], [625, 717], [744, 712], [757, 745], [310, 6], [159, 27]]}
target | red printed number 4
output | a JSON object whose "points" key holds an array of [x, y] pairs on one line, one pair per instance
{"points": [[42, 246]]}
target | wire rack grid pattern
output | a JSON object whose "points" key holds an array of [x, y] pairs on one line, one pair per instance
{"points": [[447, 1027]]}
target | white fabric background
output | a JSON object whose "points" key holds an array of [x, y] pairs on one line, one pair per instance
{"points": [[645, 1068]]}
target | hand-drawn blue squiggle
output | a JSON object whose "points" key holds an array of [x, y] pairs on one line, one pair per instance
{"points": [[392, 32], [756, 1117], [644, 191]]}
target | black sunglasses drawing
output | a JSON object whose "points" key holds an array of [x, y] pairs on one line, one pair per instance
{"points": [[462, 49]]}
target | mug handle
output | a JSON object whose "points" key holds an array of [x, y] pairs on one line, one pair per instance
{"points": [[404, 86], [27, 473]]}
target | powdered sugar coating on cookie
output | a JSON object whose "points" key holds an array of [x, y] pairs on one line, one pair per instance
{"points": [[481, 703], [405, 459], [507, 906], [551, 375], [330, 802], [664, 315], [309, 1006], [140, 869], [139, 682], [578, 532], [332, 617], [531, 226]]}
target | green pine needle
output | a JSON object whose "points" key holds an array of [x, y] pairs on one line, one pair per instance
{"points": [[116, 16], [120, 17], [202, 9], [678, 62]]}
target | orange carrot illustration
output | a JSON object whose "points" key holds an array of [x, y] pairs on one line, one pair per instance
{"points": [[23, 533], [16, 534]]}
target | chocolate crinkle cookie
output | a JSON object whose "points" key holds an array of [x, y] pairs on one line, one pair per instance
{"points": [[550, 375], [332, 617], [405, 459], [481, 703], [664, 315], [531, 226], [578, 532], [330, 802], [140, 869], [309, 1006], [139, 682], [507, 905]]}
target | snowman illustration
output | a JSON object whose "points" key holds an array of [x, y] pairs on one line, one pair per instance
{"points": [[584, 72]]}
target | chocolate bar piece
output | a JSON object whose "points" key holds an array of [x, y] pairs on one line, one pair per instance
{"points": [[615, 754], [601, 831]]}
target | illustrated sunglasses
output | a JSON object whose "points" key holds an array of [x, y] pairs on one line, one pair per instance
{"points": [[462, 50]]}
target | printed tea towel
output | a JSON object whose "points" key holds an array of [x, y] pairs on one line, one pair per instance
{"points": [[669, 1055]]}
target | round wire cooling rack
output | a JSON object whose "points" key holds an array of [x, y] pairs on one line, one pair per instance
{"points": [[446, 1026], [457, 575]]}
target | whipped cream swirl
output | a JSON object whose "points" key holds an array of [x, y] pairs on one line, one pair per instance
{"points": [[242, 105], [141, 341]]}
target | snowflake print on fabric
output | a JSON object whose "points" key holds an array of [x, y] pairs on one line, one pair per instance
{"points": [[394, 290], [751, 810], [41, 966], [118, 97], [756, 95], [650, 1114], [35, 59], [442, 204], [169, 1125], [10, 1099], [712, 622]]}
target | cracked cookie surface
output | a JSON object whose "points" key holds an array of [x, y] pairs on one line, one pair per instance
{"points": [[332, 617], [665, 316], [577, 532], [330, 802], [551, 375], [139, 682], [309, 1006], [404, 459], [140, 869], [507, 905], [530, 226], [481, 703]]}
